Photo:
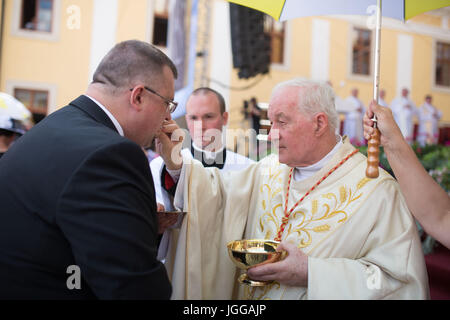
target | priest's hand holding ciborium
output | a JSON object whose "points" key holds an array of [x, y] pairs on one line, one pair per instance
{"points": [[247, 254]]}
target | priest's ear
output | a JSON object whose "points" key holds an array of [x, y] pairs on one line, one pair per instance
{"points": [[320, 124]]}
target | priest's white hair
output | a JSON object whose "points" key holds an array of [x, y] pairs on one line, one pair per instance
{"points": [[316, 97]]}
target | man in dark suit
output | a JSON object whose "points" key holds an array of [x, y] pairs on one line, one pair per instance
{"points": [[77, 202]]}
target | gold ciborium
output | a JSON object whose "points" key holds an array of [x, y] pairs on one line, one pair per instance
{"points": [[247, 254]]}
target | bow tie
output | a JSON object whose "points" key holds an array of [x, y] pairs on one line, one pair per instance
{"points": [[217, 162]]}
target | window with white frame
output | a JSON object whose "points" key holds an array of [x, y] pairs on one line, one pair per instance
{"points": [[277, 31], [37, 15], [36, 19], [361, 51], [160, 23], [36, 101], [442, 64]]}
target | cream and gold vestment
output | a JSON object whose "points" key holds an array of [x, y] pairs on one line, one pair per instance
{"points": [[361, 240]]}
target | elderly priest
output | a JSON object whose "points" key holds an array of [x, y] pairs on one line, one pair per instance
{"points": [[347, 236]]}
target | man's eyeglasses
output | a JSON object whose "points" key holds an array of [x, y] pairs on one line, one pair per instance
{"points": [[171, 105]]}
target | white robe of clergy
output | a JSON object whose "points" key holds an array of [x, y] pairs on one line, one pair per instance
{"points": [[361, 240], [353, 123], [429, 117], [404, 111], [382, 103]]}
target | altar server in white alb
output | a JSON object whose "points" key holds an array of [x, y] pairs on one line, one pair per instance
{"points": [[404, 111], [381, 100], [353, 126], [348, 237], [429, 117], [206, 118]]}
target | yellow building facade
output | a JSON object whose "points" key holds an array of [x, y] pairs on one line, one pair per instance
{"points": [[61, 62], [408, 55]]}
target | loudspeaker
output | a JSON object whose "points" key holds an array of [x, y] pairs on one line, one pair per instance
{"points": [[250, 45]]}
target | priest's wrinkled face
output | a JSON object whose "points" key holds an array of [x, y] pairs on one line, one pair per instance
{"points": [[205, 120], [292, 130]]}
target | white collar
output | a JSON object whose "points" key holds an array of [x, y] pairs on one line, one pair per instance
{"points": [[302, 173], [208, 154], [109, 114]]}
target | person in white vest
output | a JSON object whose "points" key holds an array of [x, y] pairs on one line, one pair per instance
{"points": [[347, 236], [429, 117], [404, 111], [206, 118], [353, 127]]}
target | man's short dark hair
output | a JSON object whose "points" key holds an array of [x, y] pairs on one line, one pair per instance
{"points": [[206, 90], [130, 61]]}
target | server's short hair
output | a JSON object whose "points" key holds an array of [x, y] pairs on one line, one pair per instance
{"points": [[206, 90]]}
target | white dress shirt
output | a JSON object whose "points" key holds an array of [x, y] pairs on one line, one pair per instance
{"points": [[109, 114]]}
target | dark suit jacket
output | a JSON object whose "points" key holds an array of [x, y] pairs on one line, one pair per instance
{"points": [[74, 192]]}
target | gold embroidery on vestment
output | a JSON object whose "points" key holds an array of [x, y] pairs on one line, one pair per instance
{"points": [[304, 223], [326, 212]]}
